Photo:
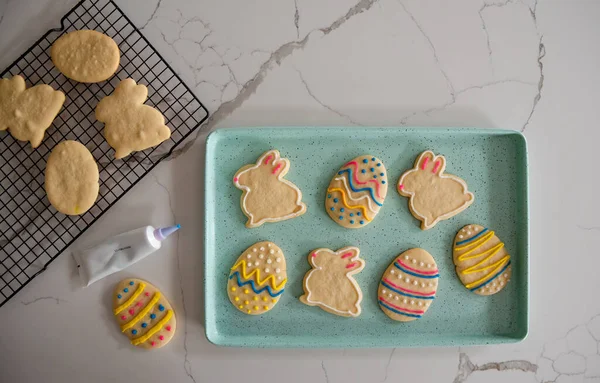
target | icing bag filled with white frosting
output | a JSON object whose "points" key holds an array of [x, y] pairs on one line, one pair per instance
{"points": [[117, 253]]}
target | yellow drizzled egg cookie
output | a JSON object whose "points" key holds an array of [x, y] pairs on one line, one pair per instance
{"points": [[356, 192], [408, 285], [257, 278], [143, 313], [481, 260]]}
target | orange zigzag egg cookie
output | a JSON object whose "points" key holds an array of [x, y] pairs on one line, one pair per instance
{"points": [[257, 278], [482, 262], [143, 313], [357, 191], [408, 285]]}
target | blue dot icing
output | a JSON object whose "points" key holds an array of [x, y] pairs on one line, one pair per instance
{"points": [[375, 176], [363, 171], [328, 195], [341, 217], [119, 296], [351, 214], [131, 283], [365, 161], [373, 159], [382, 182], [335, 200], [332, 208], [152, 316], [372, 169], [362, 222], [134, 331], [342, 210], [161, 307], [125, 290], [381, 174], [351, 221], [379, 164], [358, 213], [144, 325]]}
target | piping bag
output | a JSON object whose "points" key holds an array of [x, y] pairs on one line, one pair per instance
{"points": [[117, 253]]}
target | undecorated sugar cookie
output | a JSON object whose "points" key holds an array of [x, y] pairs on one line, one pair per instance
{"points": [[257, 278], [85, 56], [130, 125], [357, 191], [433, 195], [408, 285], [144, 315], [482, 262], [71, 178], [27, 113], [330, 284], [266, 195]]}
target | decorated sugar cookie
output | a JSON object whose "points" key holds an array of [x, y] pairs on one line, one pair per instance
{"points": [[433, 195], [143, 313], [357, 191], [408, 286], [257, 278], [330, 284], [482, 262], [267, 196]]}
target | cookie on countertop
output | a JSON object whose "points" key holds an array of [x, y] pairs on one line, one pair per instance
{"points": [[266, 195], [330, 284], [71, 178], [27, 113], [409, 285], [86, 56], [257, 278], [130, 125], [433, 195], [482, 262], [144, 315]]}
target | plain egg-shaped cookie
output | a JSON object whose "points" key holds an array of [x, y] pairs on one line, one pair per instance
{"points": [[85, 56], [357, 192], [408, 286], [144, 315], [257, 278], [71, 178], [482, 262]]}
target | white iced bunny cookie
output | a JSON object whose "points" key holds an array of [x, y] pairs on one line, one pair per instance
{"points": [[330, 283], [267, 196], [433, 195]]}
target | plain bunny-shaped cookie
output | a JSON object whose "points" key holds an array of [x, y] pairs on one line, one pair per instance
{"points": [[129, 124], [433, 195], [330, 285], [27, 113], [267, 196]]}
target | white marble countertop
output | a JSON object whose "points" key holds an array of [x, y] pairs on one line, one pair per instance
{"points": [[518, 64]]}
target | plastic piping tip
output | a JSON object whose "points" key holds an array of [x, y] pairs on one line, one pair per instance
{"points": [[162, 233]]}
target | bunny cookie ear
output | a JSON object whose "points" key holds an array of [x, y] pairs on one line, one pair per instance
{"points": [[425, 160], [268, 158]]}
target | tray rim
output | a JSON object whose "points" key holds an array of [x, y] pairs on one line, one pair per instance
{"points": [[213, 335]]}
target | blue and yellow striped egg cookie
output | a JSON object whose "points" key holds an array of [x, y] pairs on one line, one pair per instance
{"points": [[482, 262], [257, 278], [143, 313], [408, 285], [357, 191]]}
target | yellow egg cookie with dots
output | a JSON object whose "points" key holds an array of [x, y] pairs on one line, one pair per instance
{"points": [[257, 278], [482, 263], [143, 313]]}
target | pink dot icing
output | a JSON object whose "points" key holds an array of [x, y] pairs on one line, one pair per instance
{"points": [[168, 328], [131, 311], [152, 343], [314, 255], [161, 337], [235, 179], [147, 294], [123, 317]]}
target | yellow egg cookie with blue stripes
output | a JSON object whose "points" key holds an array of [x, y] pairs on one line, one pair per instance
{"points": [[257, 278], [144, 315], [357, 191], [482, 262]]}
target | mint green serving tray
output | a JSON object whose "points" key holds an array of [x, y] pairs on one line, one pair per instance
{"points": [[492, 162]]}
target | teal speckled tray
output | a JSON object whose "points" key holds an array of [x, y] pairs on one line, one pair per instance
{"points": [[494, 165]]}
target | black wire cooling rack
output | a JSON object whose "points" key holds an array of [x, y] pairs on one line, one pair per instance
{"points": [[33, 233]]}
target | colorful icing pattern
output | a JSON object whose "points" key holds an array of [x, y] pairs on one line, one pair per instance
{"points": [[482, 263], [408, 286], [330, 284], [357, 192], [257, 278], [433, 196], [143, 314], [267, 196]]}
